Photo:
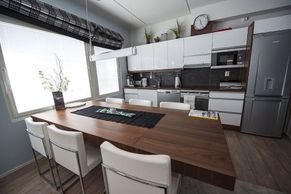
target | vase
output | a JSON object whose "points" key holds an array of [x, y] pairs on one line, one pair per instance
{"points": [[59, 100]]}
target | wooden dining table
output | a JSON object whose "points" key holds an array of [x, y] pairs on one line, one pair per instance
{"points": [[197, 146]]}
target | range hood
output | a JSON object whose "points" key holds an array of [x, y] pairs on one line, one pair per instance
{"points": [[193, 66]]}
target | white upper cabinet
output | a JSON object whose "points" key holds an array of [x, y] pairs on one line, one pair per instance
{"points": [[230, 38], [134, 61], [147, 57], [160, 55], [198, 45], [175, 53]]}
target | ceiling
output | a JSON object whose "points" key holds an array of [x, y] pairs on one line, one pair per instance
{"points": [[138, 13]]}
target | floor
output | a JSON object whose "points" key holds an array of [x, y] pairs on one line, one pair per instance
{"points": [[263, 166]]}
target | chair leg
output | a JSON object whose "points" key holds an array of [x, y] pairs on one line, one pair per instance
{"points": [[52, 173], [59, 177], [35, 159], [82, 184]]}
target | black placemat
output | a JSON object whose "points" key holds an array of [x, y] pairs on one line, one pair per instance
{"points": [[141, 119]]}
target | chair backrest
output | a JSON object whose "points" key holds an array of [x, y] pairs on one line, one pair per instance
{"points": [[68, 149], [115, 100], [130, 173], [140, 102], [38, 135], [175, 105]]}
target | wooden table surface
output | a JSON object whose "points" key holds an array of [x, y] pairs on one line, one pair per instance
{"points": [[196, 146]]}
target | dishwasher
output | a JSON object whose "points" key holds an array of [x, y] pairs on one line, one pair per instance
{"points": [[168, 96]]}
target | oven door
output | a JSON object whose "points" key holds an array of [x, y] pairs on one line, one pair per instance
{"points": [[201, 101]]}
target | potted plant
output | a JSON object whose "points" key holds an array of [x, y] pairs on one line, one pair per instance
{"points": [[148, 36], [178, 29], [56, 83]]}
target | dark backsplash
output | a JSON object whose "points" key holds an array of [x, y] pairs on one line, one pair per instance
{"points": [[199, 77]]}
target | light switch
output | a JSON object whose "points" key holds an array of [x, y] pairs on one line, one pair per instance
{"points": [[227, 73]]}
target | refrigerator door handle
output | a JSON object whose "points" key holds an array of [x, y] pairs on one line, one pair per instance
{"points": [[269, 83]]}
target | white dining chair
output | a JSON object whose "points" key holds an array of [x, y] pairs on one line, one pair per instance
{"points": [[38, 136], [140, 102], [175, 105], [69, 150], [115, 100], [129, 173]]}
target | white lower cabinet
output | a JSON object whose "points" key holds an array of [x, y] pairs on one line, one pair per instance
{"points": [[144, 94], [229, 105], [151, 95], [230, 118]]}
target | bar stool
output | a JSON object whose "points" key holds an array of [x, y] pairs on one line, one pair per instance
{"points": [[38, 136], [140, 102], [130, 173], [69, 150], [115, 100]]}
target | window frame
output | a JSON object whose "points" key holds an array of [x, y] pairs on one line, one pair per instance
{"points": [[95, 84], [5, 85]]}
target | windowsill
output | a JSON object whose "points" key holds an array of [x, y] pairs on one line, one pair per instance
{"points": [[22, 116]]}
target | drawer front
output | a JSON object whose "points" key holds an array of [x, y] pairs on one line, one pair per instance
{"points": [[130, 96], [227, 95], [230, 119], [233, 106], [130, 91]]}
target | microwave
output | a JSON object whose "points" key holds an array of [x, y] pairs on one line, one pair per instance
{"points": [[228, 58]]}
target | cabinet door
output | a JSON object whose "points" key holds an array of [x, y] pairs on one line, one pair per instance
{"points": [[230, 119], [175, 54], [134, 61], [148, 95], [130, 94], [198, 45], [226, 105], [160, 55], [147, 57], [230, 38]]}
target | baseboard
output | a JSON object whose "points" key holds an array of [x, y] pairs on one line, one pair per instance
{"points": [[18, 167]]}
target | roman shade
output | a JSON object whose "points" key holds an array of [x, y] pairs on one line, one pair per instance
{"points": [[58, 20]]}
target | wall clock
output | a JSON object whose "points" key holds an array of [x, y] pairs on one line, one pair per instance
{"points": [[200, 22]]}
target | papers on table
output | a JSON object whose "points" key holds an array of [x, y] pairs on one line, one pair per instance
{"points": [[204, 114]]}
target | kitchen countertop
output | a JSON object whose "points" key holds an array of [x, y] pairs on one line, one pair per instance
{"points": [[214, 88]]}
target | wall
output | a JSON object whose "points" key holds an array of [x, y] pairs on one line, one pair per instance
{"points": [[231, 16], [14, 143]]}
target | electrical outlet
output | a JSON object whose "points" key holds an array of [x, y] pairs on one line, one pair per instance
{"points": [[227, 73]]}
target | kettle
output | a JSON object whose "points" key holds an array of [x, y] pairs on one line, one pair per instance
{"points": [[177, 82], [144, 82]]}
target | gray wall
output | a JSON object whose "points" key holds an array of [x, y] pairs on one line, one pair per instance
{"points": [[14, 143]]}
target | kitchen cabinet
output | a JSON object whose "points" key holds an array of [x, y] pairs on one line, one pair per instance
{"points": [[160, 55], [229, 105], [197, 50], [149, 95], [230, 39], [134, 61], [144, 94], [147, 57], [198, 45], [175, 53], [130, 94]]}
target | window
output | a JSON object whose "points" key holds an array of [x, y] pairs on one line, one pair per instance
{"points": [[107, 74], [26, 51]]}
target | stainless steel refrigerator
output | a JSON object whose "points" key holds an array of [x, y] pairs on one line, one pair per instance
{"points": [[269, 84]]}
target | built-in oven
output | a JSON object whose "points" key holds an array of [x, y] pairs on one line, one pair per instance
{"points": [[228, 57], [198, 99]]}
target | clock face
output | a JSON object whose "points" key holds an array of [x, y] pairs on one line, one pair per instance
{"points": [[200, 22]]}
